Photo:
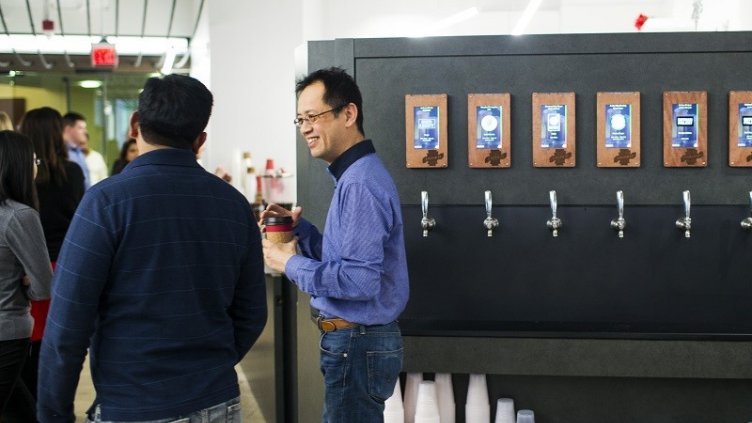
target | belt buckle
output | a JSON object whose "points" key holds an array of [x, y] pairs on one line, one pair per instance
{"points": [[322, 324]]}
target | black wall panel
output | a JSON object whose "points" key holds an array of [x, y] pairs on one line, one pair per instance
{"points": [[585, 327]]}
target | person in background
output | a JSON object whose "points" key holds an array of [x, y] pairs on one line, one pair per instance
{"points": [[75, 136], [356, 274], [128, 152], [5, 123], [26, 271], [164, 263], [60, 186], [95, 162]]}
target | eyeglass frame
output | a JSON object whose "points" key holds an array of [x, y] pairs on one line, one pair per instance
{"points": [[311, 119]]}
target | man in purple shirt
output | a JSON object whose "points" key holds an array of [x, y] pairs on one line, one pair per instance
{"points": [[356, 273]]}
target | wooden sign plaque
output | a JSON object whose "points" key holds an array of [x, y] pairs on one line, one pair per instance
{"points": [[685, 129], [426, 131], [618, 127], [554, 130], [740, 128], [489, 131]]}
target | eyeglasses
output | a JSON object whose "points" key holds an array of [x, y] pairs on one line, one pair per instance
{"points": [[313, 118]]}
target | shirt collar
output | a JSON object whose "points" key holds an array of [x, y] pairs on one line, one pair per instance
{"points": [[350, 156], [165, 156]]}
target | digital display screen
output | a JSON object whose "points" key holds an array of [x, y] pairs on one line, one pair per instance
{"points": [[685, 121]]}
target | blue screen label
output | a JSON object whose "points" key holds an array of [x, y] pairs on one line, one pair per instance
{"points": [[426, 134], [618, 126], [488, 127], [553, 126], [745, 125], [685, 125]]}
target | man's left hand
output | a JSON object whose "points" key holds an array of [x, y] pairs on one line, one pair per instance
{"points": [[276, 255]]}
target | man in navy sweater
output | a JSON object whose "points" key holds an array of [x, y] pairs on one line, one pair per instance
{"points": [[160, 276], [356, 273]]}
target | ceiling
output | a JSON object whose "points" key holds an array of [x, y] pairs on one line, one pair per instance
{"points": [[150, 18], [95, 18]]}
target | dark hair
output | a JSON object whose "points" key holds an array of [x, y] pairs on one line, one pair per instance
{"points": [[17, 169], [44, 127], [174, 110], [340, 90], [124, 150], [70, 118]]}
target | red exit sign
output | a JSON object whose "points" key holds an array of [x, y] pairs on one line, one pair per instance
{"points": [[103, 55]]}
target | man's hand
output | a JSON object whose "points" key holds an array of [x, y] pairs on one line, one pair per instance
{"points": [[276, 255], [277, 210], [25, 281]]}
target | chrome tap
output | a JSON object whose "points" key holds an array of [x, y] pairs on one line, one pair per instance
{"points": [[427, 223], [554, 223], [747, 223], [619, 223], [490, 223], [685, 223]]}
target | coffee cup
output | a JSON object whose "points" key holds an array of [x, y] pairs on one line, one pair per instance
{"points": [[279, 229]]}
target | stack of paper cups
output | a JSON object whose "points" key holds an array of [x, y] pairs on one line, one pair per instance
{"points": [[477, 408], [427, 407], [393, 410], [504, 410], [525, 416], [445, 394], [411, 395]]}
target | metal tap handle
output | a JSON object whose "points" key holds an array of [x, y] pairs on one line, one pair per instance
{"points": [[747, 221], [687, 203], [426, 223], [552, 197], [620, 203], [489, 203]]}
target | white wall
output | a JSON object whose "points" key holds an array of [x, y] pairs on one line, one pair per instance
{"points": [[252, 78]]}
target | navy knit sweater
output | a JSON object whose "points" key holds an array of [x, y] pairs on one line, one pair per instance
{"points": [[162, 270]]}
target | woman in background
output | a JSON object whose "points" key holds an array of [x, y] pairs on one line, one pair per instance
{"points": [[60, 186], [128, 152], [25, 271]]}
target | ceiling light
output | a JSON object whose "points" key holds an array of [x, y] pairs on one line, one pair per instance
{"points": [[169, 60], [89, 83], [527, 15], [81, 44]]}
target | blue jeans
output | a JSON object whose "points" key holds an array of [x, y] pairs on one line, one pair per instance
{"points": [[226, 412], [360, 367]]}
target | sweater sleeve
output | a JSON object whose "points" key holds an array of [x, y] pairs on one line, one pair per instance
{"points": [[80, 276], [26, 241], [248, 309]]}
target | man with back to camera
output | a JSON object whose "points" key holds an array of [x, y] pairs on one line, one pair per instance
{"points": [[356, 273], [75, 136], [162, 269]]}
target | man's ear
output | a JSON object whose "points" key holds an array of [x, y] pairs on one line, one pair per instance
{"points": [[133, 128], [198, 142], [351, 113]]}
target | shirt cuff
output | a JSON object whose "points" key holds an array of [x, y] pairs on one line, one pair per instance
{"points": [[292, 266]]}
